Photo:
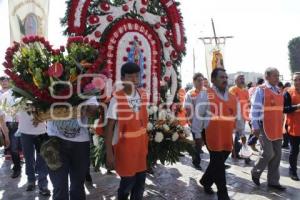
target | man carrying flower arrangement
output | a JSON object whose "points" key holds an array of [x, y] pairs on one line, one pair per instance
{"points": [[73, 152], [126, 137], [217, 113]]}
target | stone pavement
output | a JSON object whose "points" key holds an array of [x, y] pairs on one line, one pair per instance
{"points": [[171, 182]]}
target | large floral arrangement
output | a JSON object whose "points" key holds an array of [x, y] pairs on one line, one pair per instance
{"points": [[45, 75], [167, 138]]}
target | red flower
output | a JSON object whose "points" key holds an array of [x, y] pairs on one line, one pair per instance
{"points": [[62, 48], [86, 40], [25, 40], [56, 70]]}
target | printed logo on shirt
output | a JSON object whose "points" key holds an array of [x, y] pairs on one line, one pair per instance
{"points": [[134, 103], [68, 128]]}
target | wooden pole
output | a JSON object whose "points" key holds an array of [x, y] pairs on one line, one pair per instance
{"points": [[214, 30], [194, 64]]}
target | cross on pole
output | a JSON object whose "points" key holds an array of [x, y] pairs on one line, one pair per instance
{"points": [[215, 38], [218, 40]]}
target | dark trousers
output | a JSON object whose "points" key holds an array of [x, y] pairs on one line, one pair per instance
{"points": [[215, 172], [133, 185], [75, 163], [196, 158], [252, 140], [33, 160], [237, 144], [15, 145], [294, 151]]}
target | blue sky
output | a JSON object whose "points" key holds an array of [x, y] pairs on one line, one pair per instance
{"points": [[261, 30]]}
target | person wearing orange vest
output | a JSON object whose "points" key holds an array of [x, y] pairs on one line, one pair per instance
{"points": [[181, 113], [242, 95], [267, 122], [292, 109], [218, 114], [126, 137], [189, 104], [285, 142]]}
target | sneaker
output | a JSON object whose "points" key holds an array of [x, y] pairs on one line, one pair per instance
{"points": [[15, 173], [197, 166], [88, 179], [30, 186], [294, 176], [247, 161], [44, 192], [254, 148]]}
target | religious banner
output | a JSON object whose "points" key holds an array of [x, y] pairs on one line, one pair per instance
{"points": [[28, 17], [214, 54]]}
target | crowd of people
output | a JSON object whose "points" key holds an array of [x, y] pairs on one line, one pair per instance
{"points": [[216, 114]]}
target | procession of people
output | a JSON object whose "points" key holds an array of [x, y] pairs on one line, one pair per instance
{"points": [[217, 116], [119, 110]]}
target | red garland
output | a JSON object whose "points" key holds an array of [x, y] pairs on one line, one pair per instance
{"points": [[71, 17], [175, 18]]}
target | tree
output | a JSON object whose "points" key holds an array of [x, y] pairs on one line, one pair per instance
{"points": [[294, 54]]}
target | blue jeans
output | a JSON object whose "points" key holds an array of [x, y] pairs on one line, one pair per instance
{"points": [[75, 158], [31, 146], [15, 145], [134, 185]]}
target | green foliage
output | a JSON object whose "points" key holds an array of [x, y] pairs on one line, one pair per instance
{"points": [[294, 54], [98, 154], [168, 152]]}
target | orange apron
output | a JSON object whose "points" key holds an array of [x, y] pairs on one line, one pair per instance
{"points": [[293, 119], [273, 114], [243, 97], [222, 123], [132, 147]]}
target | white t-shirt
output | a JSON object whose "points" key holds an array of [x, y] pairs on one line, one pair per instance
{"points": [[71, 130], [9, 100], [134, 102], [26, 126]]}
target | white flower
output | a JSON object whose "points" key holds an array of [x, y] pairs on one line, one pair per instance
{"points": [[150, 111], [172, 118], [187, 130], [175, 136], [159, 137], [96, 140], [154, 109], [162, 115], [166, 127], [96, 123], [149, 126]]}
